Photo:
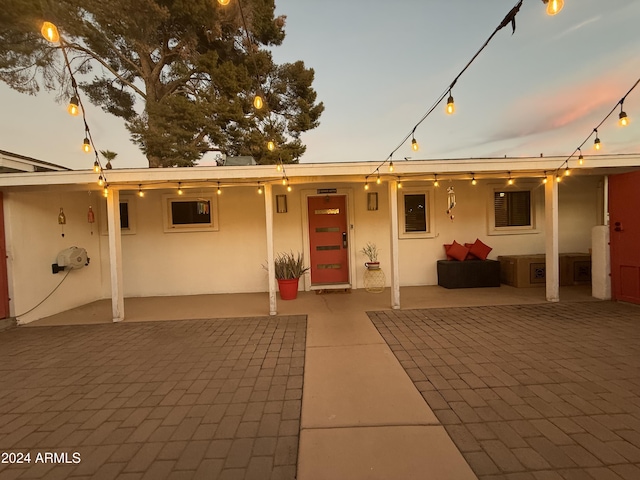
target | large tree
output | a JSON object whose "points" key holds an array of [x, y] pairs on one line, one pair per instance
{"points": [[181, 73]]}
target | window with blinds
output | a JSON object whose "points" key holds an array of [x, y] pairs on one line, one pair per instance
{"points": [[512, 209], [415, 213]]}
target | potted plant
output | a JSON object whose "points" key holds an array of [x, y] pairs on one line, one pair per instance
{"points": [[288, 269], [371, 251]]}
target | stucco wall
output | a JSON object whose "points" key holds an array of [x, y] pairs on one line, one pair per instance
{"points": [[33, 243], [157, 263]]}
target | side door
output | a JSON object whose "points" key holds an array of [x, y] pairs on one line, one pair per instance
{"points": [[328, 239], [624, 225]]}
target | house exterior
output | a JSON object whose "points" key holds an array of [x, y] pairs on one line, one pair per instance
{"points": [[204, 242]]}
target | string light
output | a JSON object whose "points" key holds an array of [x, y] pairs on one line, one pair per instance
{"points": [[623, 119], [105, 191], [259, 188], [378, 180], [414, 145], [258, 103], [391, 166], [100, 181], [96, 167], [224, 3], [278, 167], [554, 6], [140, 192], [451, 107], [567, 172], [284, 181], [435, 180], [366, 185], [581, 157], [50, 32], [289, 188], [510, 181], [399, 184], [86, 145], [544, 179], [596, 143], [73, 108], [271, 146], [473, 179], [219, 191], [180, 192]]}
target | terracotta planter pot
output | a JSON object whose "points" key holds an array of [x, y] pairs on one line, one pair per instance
{"points": [[288, 288], [372, 265]]}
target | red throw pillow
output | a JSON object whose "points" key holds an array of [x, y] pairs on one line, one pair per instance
{"points": [[447, 246], [480, 250], [470, 256], [457, 251]]}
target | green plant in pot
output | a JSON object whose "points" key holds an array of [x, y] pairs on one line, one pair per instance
{"points": [[288, 269], [371, 252]]}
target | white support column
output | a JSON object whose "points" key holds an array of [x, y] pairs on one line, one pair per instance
{"points": [[395, 268], [115, 255], [552, 259], [268, 206]]}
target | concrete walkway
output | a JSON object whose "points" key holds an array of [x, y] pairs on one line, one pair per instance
{"points": [[362, 417]]}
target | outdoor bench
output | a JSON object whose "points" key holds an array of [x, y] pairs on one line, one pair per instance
{"points": [[469, 273]]}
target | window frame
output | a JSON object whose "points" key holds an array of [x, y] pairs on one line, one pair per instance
{"points": [[520, 186], [428, 192], [170, 227], [131, 202]]}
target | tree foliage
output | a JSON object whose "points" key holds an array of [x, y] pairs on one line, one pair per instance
{"points": [[181, 73]]}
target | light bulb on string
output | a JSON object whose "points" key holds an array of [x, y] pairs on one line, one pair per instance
{"points": [[366, 185], [451, 106], [378, 180], [271, 146], [567, 172], [435, 181], [180, 192], [278, 167], [258, 103], [259, 189], [558, 178], [86, 145], [510, 180], [544, 179], [105, 191], [219, 191], [289, 188], [399, 184], [473, 180], [224, 3], [50, 32], [554, 6], [100, 181], [581, 158], [596, 143], [140, 192], [284, 181], [414, 145], [96, 167], [73, 107], [623, 119], [391, 166]]}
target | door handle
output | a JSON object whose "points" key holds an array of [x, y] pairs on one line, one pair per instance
{"points": [[344, 239]]}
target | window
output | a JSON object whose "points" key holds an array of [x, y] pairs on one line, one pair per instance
{"points": [[194, 213], [127, 216], [414, 217], [511, 210]]}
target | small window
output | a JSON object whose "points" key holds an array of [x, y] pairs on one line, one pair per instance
{"points": [[127, 216], [512, 209], [415, 216], [194, 213]]}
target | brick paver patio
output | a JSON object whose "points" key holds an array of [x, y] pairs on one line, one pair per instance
{"points": [[546, 391], [182, 399]]}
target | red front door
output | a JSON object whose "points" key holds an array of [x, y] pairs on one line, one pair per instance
{"points": [[328, 239], [624, 225]]}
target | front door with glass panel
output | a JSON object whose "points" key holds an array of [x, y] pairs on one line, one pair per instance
{"points": [[328, 239]]}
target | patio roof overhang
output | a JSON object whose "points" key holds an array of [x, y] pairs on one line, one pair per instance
{"points": [[406, 170]]}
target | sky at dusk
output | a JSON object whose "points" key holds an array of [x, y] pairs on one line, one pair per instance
{"points": [[379, 66]]}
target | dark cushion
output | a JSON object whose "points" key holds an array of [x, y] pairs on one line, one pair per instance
{"points": [[468, 274]]}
